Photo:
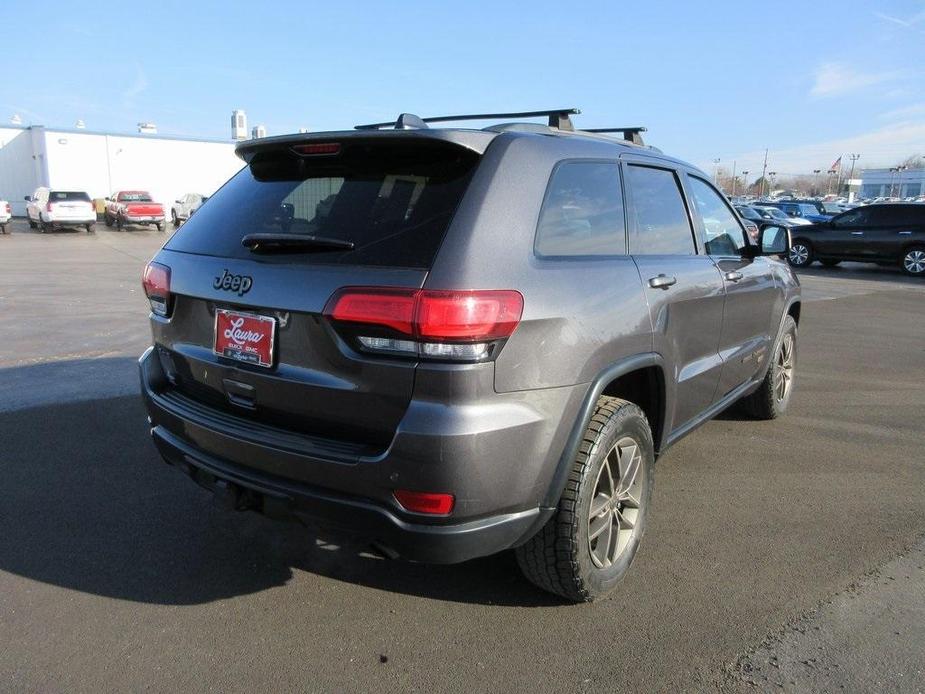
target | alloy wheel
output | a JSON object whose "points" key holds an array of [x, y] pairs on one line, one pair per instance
{"points": [[914, 262], [783, 368], [614, 513], [799, 254]]}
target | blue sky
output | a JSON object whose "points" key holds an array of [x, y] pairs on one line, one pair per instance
{"points": [[711, 80]]}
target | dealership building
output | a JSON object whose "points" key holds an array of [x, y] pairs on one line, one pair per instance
{"points": [[886, 183], [102, 163]]}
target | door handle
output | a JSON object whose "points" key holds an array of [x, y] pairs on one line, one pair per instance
{"points": [[733, 276], [662, 281], [857, 233]]}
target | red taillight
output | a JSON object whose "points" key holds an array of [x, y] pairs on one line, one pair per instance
{"points": [[156, 282], [317, 148], [425, 502], [435, 324], [48, 207], [390, 308]]}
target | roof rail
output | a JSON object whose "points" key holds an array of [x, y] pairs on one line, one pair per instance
{"points": [[631, 134], [558, 118]]}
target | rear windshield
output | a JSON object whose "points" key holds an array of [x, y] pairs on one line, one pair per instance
{"points": [[135, 197], [394, 202], [62, 195]]}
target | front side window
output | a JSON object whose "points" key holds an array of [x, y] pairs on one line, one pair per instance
{"points": [[583, 211], [853, 218], [660, 224], [722, 231]]}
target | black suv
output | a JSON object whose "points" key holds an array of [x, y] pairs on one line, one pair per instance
{"points": [[889, 234], [453, 342]]}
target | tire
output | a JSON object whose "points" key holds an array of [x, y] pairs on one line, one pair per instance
{"points": [[43, 227], [800, 254], [772, 398], [107, 220], [32, 225], [89, 228], [120, 223], [830, 263], [173, 219], [913, 261], [160, 226], [562, 557]]}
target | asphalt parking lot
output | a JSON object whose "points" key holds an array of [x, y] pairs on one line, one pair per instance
{"points": [[773, 546]]}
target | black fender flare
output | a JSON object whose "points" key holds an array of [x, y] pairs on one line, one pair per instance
{"points": [[597, 386]]}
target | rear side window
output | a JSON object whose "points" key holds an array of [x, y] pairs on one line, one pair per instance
{"points": [[897, 215], [583, 211], [393, 201], [660, 225], [62, 196]]}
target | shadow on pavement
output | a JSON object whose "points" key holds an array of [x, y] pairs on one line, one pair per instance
{"points": [[87, 504]]}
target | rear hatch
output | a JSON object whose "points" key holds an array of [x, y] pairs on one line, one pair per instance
{"points": [[70, 205], [391, 198]]}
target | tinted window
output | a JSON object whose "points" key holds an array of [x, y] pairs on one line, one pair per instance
{"points": [[393, 201], [858, 217], [583, 211], [722, 231], [60, 196], [136, 196], [897, 215], [660, 221]]}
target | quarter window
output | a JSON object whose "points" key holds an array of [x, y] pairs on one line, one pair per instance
{"points": [[583, 211], [661, 225], [722, 232]]}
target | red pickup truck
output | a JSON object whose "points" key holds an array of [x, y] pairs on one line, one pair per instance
{"points": [[133, 207]]}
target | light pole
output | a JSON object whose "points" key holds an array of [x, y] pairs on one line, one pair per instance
{"points": [[716, 172], [893, 170], [899, 180], [772, 174], [764, 170], [745, 182], [733, 178], [816, 173], [853, 158]]}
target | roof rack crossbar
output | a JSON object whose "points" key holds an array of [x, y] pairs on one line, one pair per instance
{"points": [[631, 134], [558, 118]]}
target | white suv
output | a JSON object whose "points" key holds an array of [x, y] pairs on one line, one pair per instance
{"points": [[183, 208], [60, 208]]}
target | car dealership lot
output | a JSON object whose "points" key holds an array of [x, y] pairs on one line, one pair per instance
{"points": [[116, 573]]}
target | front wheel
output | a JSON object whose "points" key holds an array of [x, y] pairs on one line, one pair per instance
{"points": [[173, 219], [120, 223], [589, 543], [771, 399], [913, 261], [800, 254]]}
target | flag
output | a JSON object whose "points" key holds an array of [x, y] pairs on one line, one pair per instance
{"points": [[836, 165]]}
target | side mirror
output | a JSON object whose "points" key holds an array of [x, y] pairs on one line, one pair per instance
{"points": [[773, 240]]}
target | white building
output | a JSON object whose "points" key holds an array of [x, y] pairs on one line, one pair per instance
{"points": [[884, 183], [102, 163]]}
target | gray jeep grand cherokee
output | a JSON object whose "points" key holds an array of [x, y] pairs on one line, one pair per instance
{"points": [[453, 342]]}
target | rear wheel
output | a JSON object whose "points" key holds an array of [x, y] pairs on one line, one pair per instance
{"points": [[773, 395], [173, 219], [587, 546], [160, 226], [913, 261], [43, 226], [89, 228], [32, 224], [830, 263], [800, 254]]}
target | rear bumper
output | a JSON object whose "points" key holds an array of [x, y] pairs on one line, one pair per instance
{"points": [[499, 475], [71, 221], [143, 219]]}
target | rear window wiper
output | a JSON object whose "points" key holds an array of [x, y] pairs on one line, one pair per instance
{"points": [[305, 243]]}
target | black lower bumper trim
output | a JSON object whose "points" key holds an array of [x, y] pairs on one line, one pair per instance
{"points": [[242, 488]]}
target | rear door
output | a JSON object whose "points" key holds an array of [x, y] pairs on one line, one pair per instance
{"points": [[896, 226], [846, 235], [392, 200], [683, 287], [746, 337]]}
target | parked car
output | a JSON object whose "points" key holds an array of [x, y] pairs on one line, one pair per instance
{"points": [[185, 206], [375, 367], [887, 234], [810, 211], [47, 208], [133, 207], [749, 220], [778, 215], [6, 213]]}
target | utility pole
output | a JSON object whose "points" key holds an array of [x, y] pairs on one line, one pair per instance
{"points": [[733, 178], [745, 181], [853, 158], [772, 174], [764, 170]]}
